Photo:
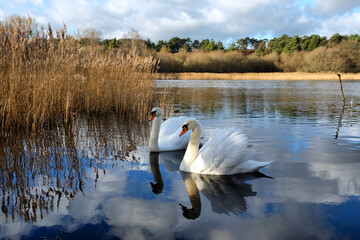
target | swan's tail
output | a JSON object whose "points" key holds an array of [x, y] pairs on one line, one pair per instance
{"points": [[253, 166]]}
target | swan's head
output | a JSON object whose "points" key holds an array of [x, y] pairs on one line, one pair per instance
{"points": [[155, 112], [189, 124]]}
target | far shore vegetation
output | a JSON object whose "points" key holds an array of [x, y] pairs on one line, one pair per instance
{"points": [[51, 77], [309, 54]]}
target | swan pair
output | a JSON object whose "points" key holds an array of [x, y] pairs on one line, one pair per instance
{"points": [[225, 153]]}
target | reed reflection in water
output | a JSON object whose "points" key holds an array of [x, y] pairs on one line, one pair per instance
{"points": [[39, 173]]}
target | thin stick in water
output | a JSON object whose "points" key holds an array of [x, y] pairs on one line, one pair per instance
{"points": [[342, 92]]}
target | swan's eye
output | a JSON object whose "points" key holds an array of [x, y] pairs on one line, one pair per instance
{"points": [[185, 127]]}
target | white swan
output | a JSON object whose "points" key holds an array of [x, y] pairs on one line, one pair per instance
{"points": [[225, 153], [165, 136]]}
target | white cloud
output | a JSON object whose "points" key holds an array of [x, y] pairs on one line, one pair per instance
{"points": [[220, 20], [335, 6], [348, 23]]}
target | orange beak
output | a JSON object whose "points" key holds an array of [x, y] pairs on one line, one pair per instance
{"points": [[152, 116], [184, 130]]}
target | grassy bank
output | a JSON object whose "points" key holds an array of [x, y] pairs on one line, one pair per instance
{"points": [[258, 76], [46, 77]]}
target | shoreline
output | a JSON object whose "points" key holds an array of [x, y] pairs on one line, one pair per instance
{"points": [[258, 76]]}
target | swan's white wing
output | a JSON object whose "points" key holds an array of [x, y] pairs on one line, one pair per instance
{"points": [[223, 154], [170, 130], [171, 125]]}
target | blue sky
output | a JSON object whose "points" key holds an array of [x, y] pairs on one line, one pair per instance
{"points": [[226, 20]]}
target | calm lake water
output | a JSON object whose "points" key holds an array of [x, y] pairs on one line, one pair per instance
{"points": [[98, 180]]}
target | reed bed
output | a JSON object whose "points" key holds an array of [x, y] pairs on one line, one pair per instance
{"points": [[46, 78], [258, 76]]}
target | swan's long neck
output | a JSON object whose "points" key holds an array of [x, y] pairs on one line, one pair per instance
{"points": [[192, 149], [154, 134]]}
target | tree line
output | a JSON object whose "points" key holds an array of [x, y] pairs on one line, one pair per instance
{"points": [[315, 53], [261, 47]]}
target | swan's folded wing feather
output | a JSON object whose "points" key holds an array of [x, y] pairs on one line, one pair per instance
{"points": [[225, 149], [251, 166], [169, 139], [171, 125]]}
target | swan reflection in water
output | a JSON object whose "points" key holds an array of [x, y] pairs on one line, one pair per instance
{"points": [[154, 164], [170, 160], [225, 193]]}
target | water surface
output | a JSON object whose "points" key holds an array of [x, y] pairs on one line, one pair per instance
{"points": [[98, 180]]}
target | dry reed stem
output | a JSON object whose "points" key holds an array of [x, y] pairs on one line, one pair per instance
{"points": [[258, 76], [47, 79], [166, 101]]}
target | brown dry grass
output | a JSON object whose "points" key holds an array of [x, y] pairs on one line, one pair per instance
{"points": [[46, 78], [258, 76], [215, 62]]}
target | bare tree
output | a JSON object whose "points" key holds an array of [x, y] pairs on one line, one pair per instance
{"points": [[91, 36], [133, 34]]}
